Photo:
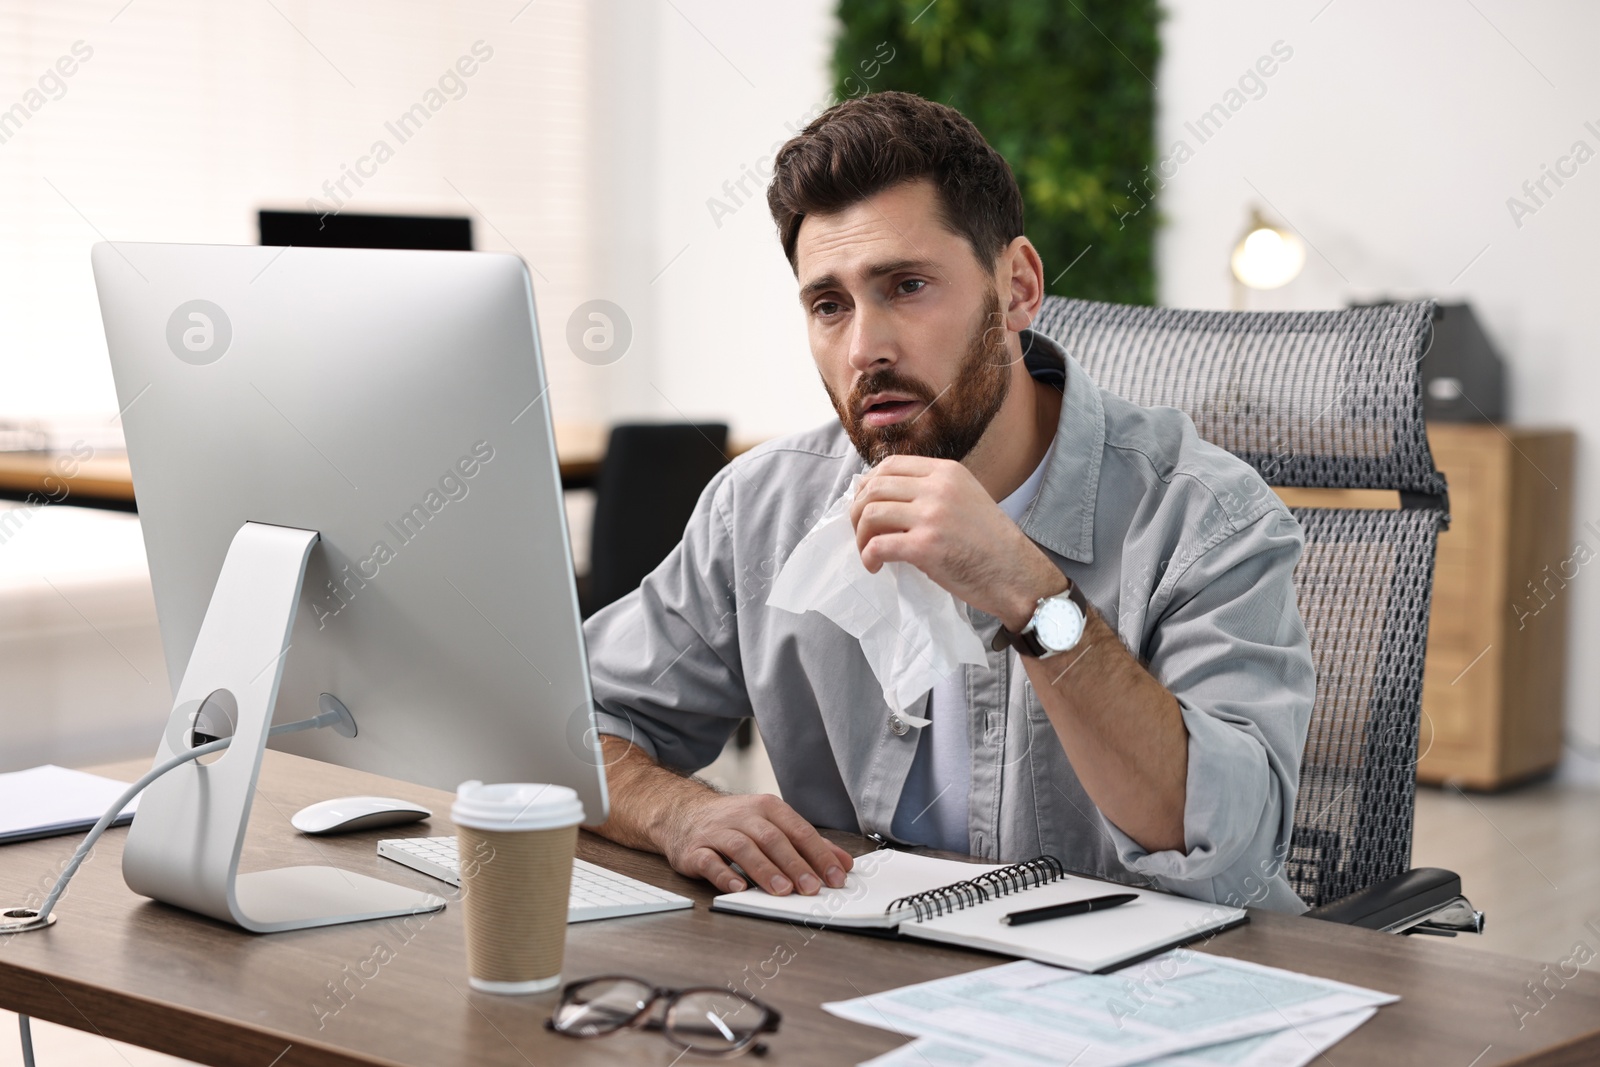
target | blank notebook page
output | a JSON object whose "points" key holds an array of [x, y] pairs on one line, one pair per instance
{"points": [[877, 880]]}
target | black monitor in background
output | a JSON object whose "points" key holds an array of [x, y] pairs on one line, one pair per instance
{"points": [[310, 229]]}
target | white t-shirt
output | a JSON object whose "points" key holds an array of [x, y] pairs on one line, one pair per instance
{"points": [[933, 803]]}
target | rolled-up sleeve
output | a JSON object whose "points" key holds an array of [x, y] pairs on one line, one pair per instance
{"points": [[1233, 650], [664, 660]]}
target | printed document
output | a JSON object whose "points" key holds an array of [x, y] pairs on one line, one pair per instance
{"points": [[1178, 1002]]}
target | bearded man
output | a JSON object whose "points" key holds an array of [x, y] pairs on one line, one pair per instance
{"points": [[1144, 705]]}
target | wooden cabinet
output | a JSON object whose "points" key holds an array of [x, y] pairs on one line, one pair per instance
{"points": [[1494, 679]]}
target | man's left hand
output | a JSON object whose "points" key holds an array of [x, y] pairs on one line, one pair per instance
{"points": [[935, 515]]}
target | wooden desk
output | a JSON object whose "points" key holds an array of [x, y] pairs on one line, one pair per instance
{"points": [[104, 480], [152, 975]]}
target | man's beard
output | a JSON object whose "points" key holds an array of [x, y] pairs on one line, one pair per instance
{"points": [[952, 422]]}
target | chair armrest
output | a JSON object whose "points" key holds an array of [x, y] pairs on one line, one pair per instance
{"points": [[1389, 903]]}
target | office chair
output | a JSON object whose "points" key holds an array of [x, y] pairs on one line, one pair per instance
{"points": [[649, 481], [1326, 400]]}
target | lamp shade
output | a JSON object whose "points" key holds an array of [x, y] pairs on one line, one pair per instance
{"points": [[1268, 256]]}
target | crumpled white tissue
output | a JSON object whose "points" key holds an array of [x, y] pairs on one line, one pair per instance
{"points": [[913, 632]]}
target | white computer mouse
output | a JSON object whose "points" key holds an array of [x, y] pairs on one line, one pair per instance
{"points": [[345, 814]]}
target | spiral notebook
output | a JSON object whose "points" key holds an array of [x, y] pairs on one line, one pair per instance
{"points": [[962, 904]]}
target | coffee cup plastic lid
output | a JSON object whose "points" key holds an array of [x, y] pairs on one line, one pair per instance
{"points": [[515, 806]]}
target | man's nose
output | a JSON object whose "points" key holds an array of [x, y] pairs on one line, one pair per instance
{"points": [[871, 341]]}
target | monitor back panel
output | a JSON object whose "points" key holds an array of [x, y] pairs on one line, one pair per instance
{"points": [[396, 403]]}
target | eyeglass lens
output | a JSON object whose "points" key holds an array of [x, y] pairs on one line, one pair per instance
{"points": [[602, 1006], [711, 1020]]}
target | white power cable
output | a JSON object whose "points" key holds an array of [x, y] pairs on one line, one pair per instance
{"points": [[116, 809], [40, 918]]}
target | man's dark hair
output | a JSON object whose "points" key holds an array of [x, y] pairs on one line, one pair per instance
{"points": [[858, 148]]}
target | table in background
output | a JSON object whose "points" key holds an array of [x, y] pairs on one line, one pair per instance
{"points": [[101, 481], [104, 480], [394, 992]]}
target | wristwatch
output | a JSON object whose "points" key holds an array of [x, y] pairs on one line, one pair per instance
{"points": [[1057, 626]]}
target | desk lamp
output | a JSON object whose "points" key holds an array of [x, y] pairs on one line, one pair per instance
{"points": [[1267, 256]]}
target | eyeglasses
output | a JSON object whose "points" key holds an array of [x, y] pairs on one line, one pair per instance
{"points": [[708, 1020]]}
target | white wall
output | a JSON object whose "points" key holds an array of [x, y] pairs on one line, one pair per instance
{"points": [[718, 330], [1392, 139], [591, 143], [181, 118]]}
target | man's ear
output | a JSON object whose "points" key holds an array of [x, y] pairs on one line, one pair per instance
{"points": [[1019, 277]]}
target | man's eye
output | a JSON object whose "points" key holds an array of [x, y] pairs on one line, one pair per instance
{"points": [[825, 308], [918, 282]]}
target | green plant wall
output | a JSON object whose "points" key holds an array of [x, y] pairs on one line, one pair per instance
{"points": [[1063, 90]]}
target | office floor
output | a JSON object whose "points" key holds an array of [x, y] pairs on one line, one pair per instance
{"points": [[1530, 858]]}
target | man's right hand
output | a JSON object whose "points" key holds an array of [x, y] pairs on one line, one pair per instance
{"points": [[701, 831], [767, 838]]}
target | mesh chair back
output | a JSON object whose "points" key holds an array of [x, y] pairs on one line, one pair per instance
{"points": [[1327, 399], [649, 482]]}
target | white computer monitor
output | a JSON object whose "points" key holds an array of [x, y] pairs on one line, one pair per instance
{"points": [[368, 433]]}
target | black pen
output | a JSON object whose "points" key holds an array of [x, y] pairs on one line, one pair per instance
{"points": [[1060, 911]]}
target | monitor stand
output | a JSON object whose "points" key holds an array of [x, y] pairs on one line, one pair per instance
{"points": [[183, 848]]}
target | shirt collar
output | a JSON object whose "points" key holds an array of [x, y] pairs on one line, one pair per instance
{"points": [[1062, 516]]}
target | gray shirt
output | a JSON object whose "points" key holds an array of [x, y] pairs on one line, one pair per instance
{"points": [[1181, 547], [933, 802]]}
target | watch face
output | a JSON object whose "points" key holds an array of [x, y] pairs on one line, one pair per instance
{"points": [[1058, 624]]}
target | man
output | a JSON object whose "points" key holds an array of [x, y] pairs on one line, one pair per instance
{"points": [[1143, 714]]}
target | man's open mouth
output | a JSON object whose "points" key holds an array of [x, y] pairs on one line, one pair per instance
{"points": [[886, 410]]}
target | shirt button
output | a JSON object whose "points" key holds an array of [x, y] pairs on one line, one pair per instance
{"points": [[897, 725]]}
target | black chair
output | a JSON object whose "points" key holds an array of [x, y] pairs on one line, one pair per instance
{"points": [[1325, 399], [649, 481]]}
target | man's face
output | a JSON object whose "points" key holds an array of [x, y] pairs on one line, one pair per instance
{"points": [[905, 326]]}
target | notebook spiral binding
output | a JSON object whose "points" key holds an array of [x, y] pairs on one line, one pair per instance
{"points": [[985, 887]]}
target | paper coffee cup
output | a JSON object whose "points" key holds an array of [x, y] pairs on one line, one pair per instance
{"points": [[515, 845]]}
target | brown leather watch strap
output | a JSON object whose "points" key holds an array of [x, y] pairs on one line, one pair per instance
{"points": [[1027, 643]]}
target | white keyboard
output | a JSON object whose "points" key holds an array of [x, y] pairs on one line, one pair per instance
{"points": [[596, 892]]}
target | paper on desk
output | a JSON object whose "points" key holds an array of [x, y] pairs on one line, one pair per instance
{"points": [[943, 1052], [1173, 1003], [47, 800], [913, 632], [1295, 1046]]}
